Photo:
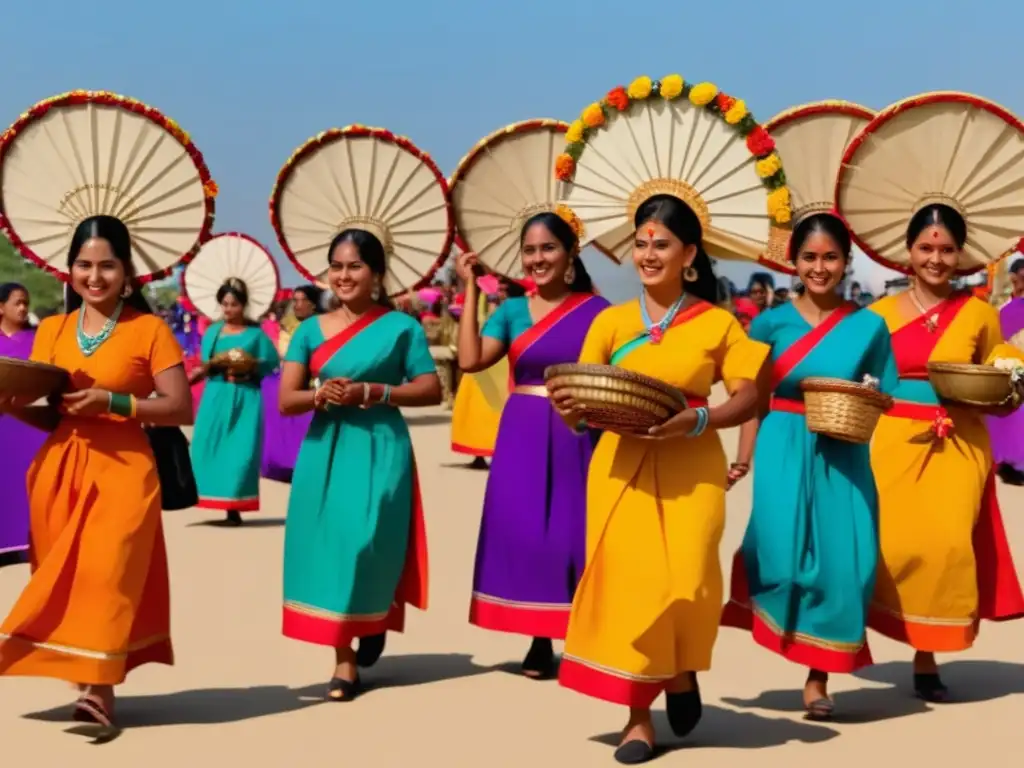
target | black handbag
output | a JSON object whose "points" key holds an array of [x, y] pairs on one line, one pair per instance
{"points": [[174, 466]]}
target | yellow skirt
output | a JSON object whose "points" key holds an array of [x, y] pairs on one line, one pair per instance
{"points": [[648, 605], [478, 404]]}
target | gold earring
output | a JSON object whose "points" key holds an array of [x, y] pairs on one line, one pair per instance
{"points": [[375, 293], [570, 275], [690, 275], [126, 291]]}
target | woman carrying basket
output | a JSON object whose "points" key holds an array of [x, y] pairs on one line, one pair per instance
{"points": [[945, 562], [645, 616], [803, 578]]}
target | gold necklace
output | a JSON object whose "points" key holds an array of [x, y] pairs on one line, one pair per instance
{"points": [[931, 322]]}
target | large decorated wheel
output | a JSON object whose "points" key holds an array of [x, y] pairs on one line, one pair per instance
{"points": [[231, 255]]}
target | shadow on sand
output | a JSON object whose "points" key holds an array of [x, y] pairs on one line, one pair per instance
{"points": [[733, 730], [968, 681], [248, 522], [216, 706]]}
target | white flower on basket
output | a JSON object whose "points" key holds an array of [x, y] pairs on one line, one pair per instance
{"points": [[1014, 366], [871, 381]]}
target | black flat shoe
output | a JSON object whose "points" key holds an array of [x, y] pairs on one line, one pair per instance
{"points": [[929, 687], [634, 752], [340, 689], [370, 649], [233, 519], [539, 663], [684, 711]]}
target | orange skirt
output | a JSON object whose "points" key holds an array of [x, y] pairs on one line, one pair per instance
{"points": [[98, 602]]}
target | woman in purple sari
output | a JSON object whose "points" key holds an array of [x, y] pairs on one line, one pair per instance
{"points": [[1007, 434], [282, 435], [21, 442], [531, 549]]}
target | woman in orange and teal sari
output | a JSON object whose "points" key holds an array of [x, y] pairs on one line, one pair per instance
{"points": [[98, 603], [355, 540], [945, 560]]}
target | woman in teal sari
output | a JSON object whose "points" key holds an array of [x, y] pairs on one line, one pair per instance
{"points": [[227, 441], [355, 542], [805, 573]]}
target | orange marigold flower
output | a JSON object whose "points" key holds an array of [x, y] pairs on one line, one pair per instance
{"points": [[618, 98], [565, 167], [210, 188], [593, 116]]}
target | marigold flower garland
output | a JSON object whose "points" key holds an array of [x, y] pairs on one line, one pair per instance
{"points": [[109, 99], [704, 95]]}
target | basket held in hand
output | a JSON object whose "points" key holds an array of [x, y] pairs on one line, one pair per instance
{"points": [[843, 410]]}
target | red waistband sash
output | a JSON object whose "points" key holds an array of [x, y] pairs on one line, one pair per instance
{"points": [[785, 405]]}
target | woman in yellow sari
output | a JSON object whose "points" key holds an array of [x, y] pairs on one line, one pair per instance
{"points": [[944, 563], [645, 616], [479, 400]]}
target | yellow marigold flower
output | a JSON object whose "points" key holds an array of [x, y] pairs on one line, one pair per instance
{"points": [[671, 86], [703, 94], [640, 88], [769, 166], [736, 112], [575, 132], [778, 205], [593, 116]]}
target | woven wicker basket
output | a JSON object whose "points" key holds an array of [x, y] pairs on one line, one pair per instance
{"points": [[30, 381], [843, 410], [972, 386], [615, 399]]}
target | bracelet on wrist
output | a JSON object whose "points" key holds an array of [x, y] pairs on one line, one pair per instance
{"points": [[121, 405], [703, 417]]}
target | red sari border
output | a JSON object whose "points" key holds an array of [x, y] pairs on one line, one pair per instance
{"points": [[519, 618], [740, 614], [233, 505], [590, 681], [467, 450], [322, 354], [413, 587]]}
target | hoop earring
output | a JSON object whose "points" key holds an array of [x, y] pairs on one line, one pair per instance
{"points": [[570, 275], [690, 275]]}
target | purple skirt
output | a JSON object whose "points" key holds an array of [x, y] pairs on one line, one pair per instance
{"points": [[1007, 436], [532, 546], [21, 444], [282, 435]]}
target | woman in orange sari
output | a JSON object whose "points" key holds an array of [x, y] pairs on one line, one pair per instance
{"points": [[98, 602]]}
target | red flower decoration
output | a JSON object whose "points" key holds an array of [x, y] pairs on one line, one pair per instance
{"points": [[760, 143], [1020, 245], [724, 102], [618, 98], [565, 167]]}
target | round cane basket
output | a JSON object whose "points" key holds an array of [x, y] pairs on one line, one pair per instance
{"points": [[843, 410], [972, 386], [30, 381], [614, 399]]}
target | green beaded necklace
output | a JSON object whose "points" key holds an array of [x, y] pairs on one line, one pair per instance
{"points": [[89, 344]]}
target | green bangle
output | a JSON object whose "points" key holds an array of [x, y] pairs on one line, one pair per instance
{"points": [[120, 405]]}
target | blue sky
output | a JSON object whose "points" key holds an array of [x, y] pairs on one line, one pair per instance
{"points": [[252, 80]]}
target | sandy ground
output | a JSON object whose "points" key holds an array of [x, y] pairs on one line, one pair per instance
{"points": [[447, 692]]}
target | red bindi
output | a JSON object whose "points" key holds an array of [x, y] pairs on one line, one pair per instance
{"points": [[650, 231], [935, 235]]}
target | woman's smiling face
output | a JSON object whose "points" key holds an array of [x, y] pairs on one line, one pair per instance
{"points": [[659, 256]]}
